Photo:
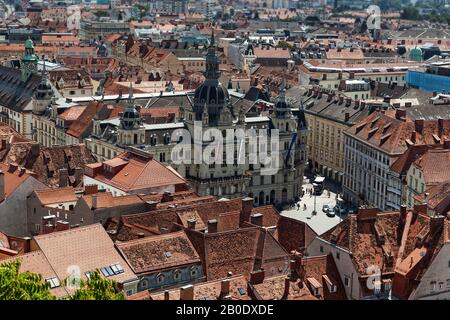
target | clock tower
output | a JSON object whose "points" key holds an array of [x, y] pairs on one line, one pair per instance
{"points": [[29, 61]]}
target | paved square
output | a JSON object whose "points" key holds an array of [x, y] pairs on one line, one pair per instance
{"points": [[320, 222]]}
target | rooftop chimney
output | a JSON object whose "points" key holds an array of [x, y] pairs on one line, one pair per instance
{"points": [[403, 212], [257, 277], [35, 149], [247, 207], [94, 201], [90, 189], [447, 144], [12, 167], [347, 116], [225, 287], [78, 175], [256, 219], [191, 223], [422, 208], [287, 286], [167, 196], [212, 226], [187, 292], [62, 225], [419, 125], [63, 177], [2, 186], [400, 113]]}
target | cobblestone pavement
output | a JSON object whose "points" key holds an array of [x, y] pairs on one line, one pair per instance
{"points": [[319, 222]]}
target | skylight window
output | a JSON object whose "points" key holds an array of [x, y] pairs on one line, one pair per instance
{"points": [[107, 271], [112, 270], [2, 244], [54, 282], [117, 268]]}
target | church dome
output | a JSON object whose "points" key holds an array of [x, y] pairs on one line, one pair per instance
{"points": [[210, 94], [282, 104], [44, 90], [129, 118]]}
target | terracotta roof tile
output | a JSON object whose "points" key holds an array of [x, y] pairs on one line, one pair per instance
{"points": [[37, 262], [56, 195], [87, 248], [211, 290], [13, 179], [157, 253], [140, 174]]}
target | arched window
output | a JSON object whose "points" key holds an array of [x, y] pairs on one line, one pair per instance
{"points": [[160, 279], [177, 275], [193, 271], [144, 284]]}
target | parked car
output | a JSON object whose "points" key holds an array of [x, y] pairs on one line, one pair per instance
{"points": [[331, 213], [339, 210], [326, 208]]}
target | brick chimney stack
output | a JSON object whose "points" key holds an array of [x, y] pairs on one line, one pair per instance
{"points": [[247, 207], [187, 292], [212, 226], [256, 219], [2, 186]]}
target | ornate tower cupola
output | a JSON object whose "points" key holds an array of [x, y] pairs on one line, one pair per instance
{"points": [[302, 124], [131, 118], [44, 93], [282, 107], [29, 61], [211, 93], [131, 130], [212, 71]]}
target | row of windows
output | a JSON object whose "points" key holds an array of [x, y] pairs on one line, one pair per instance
{"points": [[175, 275]]}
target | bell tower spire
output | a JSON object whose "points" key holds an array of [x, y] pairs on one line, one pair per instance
{"points": [[212, 72]]}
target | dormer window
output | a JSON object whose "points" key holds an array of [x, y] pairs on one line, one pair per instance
{"points": [[177, 275], [160, 278]]}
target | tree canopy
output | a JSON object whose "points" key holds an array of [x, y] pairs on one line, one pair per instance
{"points": [[96, 288], [15, 285]]}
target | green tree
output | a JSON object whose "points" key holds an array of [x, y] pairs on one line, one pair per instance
{"points": [[96, 288], [410, 13], [284, 44], [15, 285]]}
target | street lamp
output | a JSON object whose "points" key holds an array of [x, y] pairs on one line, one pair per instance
{"points": [[314, 211]]}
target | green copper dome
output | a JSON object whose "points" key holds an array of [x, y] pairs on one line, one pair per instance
{"points": [[415, 54], [29, 44]]}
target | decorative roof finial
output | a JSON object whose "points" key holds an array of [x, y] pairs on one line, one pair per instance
{"points": [[44, 71], [130, 94], [212, 38]]}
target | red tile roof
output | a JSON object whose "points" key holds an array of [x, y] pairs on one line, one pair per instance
{"points": [[37, 262], [435, 166], [13, 179], [139, 174], [56, 195], [393, 136], [323, 269], [212, 290], [157, 253], [87, 248], [107, 200]]}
